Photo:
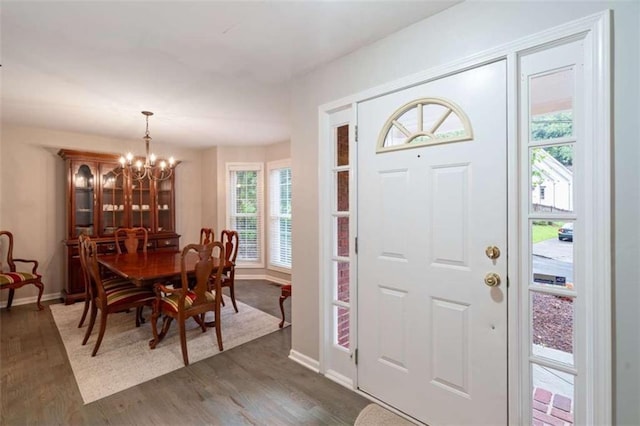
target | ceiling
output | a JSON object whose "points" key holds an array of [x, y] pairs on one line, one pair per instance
{"points": [[214, 73]]}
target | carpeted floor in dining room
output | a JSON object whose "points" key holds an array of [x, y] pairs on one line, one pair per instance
{"points": [[254, 383]]}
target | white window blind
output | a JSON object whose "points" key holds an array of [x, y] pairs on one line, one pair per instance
{"points": [[245, 210], [280, 214]]}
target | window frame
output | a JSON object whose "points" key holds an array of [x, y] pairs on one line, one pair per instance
{"points": [[259, 168], [272, 167]]}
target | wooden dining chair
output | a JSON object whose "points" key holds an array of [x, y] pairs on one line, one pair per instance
{"points": [[110, 283], [109, 300], [131, 240], [207, 235], [182, 303], [10, 277], [230, 240]]}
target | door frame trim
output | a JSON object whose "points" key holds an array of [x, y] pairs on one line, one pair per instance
{"points": [[598, 54]]}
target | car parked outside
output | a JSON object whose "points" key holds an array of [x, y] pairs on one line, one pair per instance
{"points": [[566, 232]]}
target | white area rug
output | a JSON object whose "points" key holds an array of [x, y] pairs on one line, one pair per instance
{"points": [[124, 358]]}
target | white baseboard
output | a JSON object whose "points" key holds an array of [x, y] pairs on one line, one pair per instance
{"points": [[263, 277], [341, 379], [305, 361], [31, 299]]}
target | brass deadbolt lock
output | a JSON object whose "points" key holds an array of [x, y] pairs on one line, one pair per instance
{"points": [[492, 252]]}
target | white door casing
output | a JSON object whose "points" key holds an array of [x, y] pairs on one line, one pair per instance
{"points": [[432, 338]]}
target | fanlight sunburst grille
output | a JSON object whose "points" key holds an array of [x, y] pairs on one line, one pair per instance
{"points": [[425, 121]]}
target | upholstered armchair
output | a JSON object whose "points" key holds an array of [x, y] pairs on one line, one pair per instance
{"points": [[182, 303], [12, 277]]}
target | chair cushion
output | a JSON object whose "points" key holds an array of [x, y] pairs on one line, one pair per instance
{"points": [[16, 277], [129, 294], [116, 283], [170, 301]]}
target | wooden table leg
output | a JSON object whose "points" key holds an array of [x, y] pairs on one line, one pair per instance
{"points": [[286, 292]]}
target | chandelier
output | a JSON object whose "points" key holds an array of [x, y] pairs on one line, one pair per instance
{"points": [[138, 169]]}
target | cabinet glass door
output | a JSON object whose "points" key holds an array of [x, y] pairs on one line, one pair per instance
{"points": [[114, 205], [142, 204], [84, 195], [165, 205]]}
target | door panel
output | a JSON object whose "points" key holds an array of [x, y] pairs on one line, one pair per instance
{"points": [[432, 335], [449, 204], [393, 337], [394, 226], [450, 348]]}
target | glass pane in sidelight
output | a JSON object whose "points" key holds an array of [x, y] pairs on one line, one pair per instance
{"points": [[553, 396], [552, 253], [552, 179], [552, 327], [342, 191], [341, 281], [342, 145], [341, 331], [342, 236], [551, 105]]}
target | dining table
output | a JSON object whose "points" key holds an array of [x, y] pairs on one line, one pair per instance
{"points": [[146, 269]]}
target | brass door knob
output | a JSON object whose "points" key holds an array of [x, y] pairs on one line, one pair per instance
{"points": [[492, 252], [492, 279]]}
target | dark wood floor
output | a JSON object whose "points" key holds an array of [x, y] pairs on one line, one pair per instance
{"points": [[253, 384]]}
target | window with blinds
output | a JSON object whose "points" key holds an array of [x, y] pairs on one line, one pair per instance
{"points": [[245, 210], [280, 214]]}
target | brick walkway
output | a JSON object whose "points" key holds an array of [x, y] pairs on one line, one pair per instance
{"points": [[550, 409]]}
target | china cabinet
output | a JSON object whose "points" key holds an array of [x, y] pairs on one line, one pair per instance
{"points": [[100, 199]]}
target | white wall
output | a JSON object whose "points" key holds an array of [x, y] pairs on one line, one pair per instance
{"points": [[209, 160], [462, 30], [32, 204]]}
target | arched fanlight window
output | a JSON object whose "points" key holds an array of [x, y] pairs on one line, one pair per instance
{"points": [[426, 121]]}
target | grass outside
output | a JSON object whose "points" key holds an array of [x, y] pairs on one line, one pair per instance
{"points": [[544, 232]]}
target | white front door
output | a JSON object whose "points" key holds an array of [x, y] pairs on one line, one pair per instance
{"points": [[432, 338]]}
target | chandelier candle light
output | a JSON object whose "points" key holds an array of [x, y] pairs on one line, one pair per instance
{"points": [[148, 169]]}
